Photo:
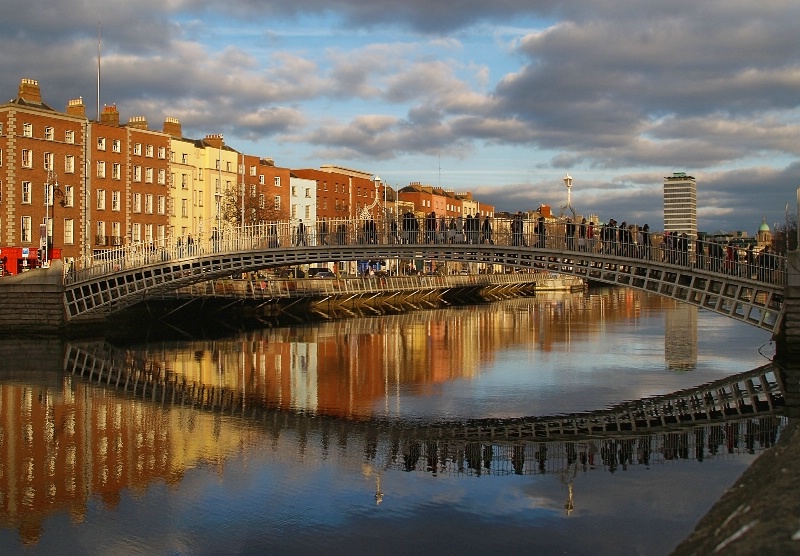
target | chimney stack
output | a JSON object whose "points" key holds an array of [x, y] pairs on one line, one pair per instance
{"points": [[110, 115], [75, 107], [172, 126], [215, 140], [137, 122], [29, 91]]}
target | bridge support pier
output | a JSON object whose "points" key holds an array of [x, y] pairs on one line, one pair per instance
{"points": [[33, 302], [788, 341]]}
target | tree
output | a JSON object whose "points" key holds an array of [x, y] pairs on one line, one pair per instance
{"points": [[258, 208], [782, 233]]}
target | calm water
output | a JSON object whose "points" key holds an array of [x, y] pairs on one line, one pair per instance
{"points": [[324, 452]]}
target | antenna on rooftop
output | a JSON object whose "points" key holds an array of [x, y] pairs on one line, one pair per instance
{"points": [[98, 71]]}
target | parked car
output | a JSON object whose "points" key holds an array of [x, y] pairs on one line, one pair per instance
{"points": [[324, 274]]}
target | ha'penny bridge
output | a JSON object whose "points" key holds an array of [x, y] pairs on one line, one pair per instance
{"points": [[753, 290], [742, 412]]}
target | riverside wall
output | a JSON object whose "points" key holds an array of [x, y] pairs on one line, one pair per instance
{"points": [[33, 302], [789, 340]]}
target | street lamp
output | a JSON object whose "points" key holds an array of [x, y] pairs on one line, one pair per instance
{"points": [[49, 191], [568, 184]]}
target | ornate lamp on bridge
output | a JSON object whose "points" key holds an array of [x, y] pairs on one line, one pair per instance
{"points": [[568, 184]]}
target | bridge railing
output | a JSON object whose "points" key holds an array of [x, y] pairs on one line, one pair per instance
{"points": [[630, 242]]}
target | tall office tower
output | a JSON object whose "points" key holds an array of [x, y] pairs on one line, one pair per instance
{"points": [[680, 204]]}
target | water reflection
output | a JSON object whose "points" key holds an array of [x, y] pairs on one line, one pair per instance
{"points": [[343, 398]]}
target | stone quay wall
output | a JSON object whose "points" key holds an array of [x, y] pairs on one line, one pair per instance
{"points": [[33, 301]]}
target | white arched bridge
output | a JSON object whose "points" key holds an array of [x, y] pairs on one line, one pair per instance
{"points": [[716, 277]]}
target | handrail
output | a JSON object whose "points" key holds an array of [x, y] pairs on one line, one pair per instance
{"points": [[622, 243]]}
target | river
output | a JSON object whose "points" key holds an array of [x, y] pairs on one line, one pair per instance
{"points": [[342, 438]]}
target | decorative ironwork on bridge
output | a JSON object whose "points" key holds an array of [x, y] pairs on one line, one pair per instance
{"points": [[747, 290]]}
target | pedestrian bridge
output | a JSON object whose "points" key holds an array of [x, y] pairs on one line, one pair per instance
{"points": [[705, 275]]}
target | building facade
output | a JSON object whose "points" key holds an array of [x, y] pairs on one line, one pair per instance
{"points": [[680, 204]]}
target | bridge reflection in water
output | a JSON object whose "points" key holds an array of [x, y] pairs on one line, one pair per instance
{"points": [[126, 423], [114, 423]]}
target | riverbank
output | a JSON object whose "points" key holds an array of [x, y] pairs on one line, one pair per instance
{"points": [[760, 513]]}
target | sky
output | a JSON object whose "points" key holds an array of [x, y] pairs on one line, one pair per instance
{"points": [[501, 98]]}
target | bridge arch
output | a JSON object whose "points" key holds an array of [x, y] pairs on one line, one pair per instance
{"points": [[122, 279]]}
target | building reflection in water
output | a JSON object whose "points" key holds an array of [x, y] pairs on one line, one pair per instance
{"points": [[82, 436], [680, 337]]}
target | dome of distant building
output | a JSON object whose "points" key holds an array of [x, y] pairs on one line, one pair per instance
{"points": [[764, 226]]}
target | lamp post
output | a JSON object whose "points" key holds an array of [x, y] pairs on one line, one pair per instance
{"points": [[568, 184], [49, 192]]}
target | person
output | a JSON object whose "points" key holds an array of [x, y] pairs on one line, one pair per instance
{"points": [[590, 239], [582, 235], [541, 232], [323, 232], [570, 230], [645, 233], [301, 233], [487, 230], [190, 245], [179, 246]]}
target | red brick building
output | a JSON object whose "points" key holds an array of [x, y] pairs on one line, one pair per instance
{"points": [[343, 192], [42, 173]]}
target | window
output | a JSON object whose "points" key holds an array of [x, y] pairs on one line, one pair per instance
{"points": [[137, 149], [184, 181], [25, 229], [294, 211], [101, 199], [101, 143], [101, 233], [49, 133], [27, 130], [116, 233], [69, 234], [101, 169], [277, 181], [116, 171], [162, 153], [69, 136], [148, 151], [148, 233], [308, 212], [261, 179], [162, 176], [200, 198], [115, 204], [294, 191], [137, 173], [184, 158], [1, 157], [252, 170], [161, 205], [69, 164], [69, 196], [253, 190], [137, 202], [277, 202], [48, 161], [308, 192], [27, 158], [148, 203], [136, 232], [185, 208], [227, 165], [26, 192], [261, 201], [116, 146], [148, 175]]}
